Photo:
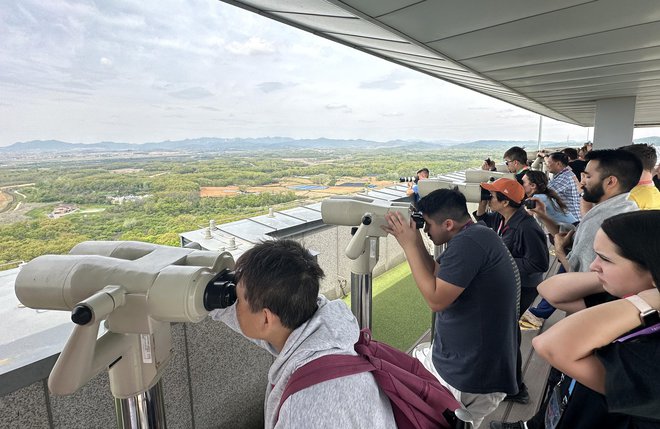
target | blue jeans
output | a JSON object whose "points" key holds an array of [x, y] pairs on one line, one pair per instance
{"points": [[544, 309]]}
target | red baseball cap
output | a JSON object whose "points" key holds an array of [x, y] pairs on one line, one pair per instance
{"points": [[509, 187]]}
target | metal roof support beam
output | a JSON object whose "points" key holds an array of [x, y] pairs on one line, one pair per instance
{"points": [[615, 119]]}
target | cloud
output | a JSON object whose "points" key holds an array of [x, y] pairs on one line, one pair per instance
{"points": [[335, 106], [105, 61], [252, 46], [213, 109], [192, 93], [391, 114], [387, 84], [274, 86], [342, 107]]}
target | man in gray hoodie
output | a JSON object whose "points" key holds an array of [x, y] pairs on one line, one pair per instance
{"points": [[279, 308]]}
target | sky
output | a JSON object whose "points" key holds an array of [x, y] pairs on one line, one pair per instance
{"points": [[148, 71]]}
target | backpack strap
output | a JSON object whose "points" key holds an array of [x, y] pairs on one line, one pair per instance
{"points": [[325, 368]]}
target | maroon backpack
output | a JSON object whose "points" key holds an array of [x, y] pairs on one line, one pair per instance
{"points": [[417, 397]]}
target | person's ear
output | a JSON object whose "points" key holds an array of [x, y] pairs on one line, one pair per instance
{"points": [[611, 182], [269, 320]]}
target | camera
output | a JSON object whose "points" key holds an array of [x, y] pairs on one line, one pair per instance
{"points": [[221, 291], [409, 179], [530, 204], [417, 217], [485, 194]]}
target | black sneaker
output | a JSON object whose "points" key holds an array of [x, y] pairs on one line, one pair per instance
{"points": [[505, 425], [522, 397]]}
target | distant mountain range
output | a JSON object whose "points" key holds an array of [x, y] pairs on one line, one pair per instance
{"points": [[211, 144]]}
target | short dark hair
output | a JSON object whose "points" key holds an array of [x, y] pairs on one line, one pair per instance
{"points": [[282, 276], [646, 153], [570, 153], [636, 236], [516, 154], [443, 204], [623, 165], [559, 157]]}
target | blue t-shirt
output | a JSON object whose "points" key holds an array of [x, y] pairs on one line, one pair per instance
{"points": [[475, 344], [415, 195], [554, 212]]}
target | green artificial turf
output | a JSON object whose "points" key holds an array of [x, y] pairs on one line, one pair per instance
{"points": [[400, 314]]}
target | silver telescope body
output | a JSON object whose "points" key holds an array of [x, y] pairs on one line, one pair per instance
{"points": [[137, 289]]}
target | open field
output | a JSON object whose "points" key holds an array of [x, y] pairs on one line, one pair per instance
{"points": [[19, 214], [302, 187], [5, 201], [177, 194]]}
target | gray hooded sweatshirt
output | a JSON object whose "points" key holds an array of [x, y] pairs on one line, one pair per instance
{"points": [[354, 401], [583, 254]]}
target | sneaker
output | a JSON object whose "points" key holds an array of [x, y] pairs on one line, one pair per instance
{"points": [[528, 319], [526, 326], [505, 425], [522, 397]]}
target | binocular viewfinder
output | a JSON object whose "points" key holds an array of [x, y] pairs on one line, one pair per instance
{"points": [[417, 217], [221, 291]]}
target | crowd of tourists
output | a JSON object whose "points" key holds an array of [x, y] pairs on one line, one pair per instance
{"points": [[596, 211]]}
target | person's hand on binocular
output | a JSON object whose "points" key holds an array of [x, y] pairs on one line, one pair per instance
{"points": [[402, 229]]}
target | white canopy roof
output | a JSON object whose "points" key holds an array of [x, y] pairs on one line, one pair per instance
{"points": [[555, 58]]}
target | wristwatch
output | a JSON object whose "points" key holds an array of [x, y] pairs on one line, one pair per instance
{"points": [[648, 315]]}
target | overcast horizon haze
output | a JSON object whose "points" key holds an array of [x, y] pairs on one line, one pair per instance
{"points": [[92, 71]]}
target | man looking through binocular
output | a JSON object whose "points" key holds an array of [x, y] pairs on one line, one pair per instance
{"points": [[413, 190], [279, 308], [473, 287]]}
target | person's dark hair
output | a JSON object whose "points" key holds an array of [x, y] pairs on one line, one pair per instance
{"points": [[625, 166], [516, 154], [539, 179], [636, 236], [424, 170], [559, 157], [646, 153], [491, 164], [501, 197], [443, 204], [571, 153], [282, 276]]}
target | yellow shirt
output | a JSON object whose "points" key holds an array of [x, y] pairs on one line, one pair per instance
{"points": [[646, 196]]}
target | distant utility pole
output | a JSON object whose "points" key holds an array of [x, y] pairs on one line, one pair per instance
{"points": [[540, 132]]}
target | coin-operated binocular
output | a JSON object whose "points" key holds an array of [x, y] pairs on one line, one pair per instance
{"points": [[470, 188], [138, 289], [366, 216]]}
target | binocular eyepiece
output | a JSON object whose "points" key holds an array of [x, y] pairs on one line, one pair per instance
{"points": [[221, 291], [418, 218], [409, 179]]}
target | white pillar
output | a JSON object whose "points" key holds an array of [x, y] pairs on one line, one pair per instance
{"points": [[615, 120]]}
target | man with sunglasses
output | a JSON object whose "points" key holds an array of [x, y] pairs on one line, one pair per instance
{"points": [[515, 159]]}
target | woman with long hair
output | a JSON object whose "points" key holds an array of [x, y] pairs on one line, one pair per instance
{"points": [[536, 189], [612, 350]]}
